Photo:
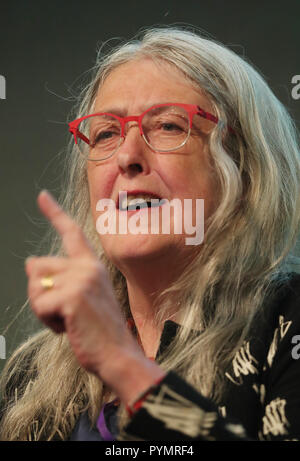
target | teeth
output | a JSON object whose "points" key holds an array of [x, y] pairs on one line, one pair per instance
{"points": [[132, 201]]}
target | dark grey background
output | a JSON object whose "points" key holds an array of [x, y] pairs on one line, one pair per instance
{"points": [[46, 45]]}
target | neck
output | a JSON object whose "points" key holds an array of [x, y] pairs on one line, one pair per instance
{"points": [[145, 282]]}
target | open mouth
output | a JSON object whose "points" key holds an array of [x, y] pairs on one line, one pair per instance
{"points": [[133, 202]]}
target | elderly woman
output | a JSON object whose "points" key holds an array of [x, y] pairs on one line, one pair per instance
{"points": [[151, 337]]}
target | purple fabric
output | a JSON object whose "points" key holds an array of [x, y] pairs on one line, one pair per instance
{"points": [[101, 423]]}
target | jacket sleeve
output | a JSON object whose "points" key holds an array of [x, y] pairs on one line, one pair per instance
{"points": [[174, 410]]}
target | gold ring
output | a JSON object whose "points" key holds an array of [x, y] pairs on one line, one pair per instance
{"points": [[47, 282]]}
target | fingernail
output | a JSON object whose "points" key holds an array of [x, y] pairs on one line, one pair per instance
{"points": [[49, 195], [28, 259]]}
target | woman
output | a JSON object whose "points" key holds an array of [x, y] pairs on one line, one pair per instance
{"points": [[186, 342]]}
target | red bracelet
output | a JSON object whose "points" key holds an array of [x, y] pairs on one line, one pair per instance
{"points": [[131, 409]]}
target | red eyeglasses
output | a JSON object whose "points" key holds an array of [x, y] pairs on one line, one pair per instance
{"points": [[164, 128]]}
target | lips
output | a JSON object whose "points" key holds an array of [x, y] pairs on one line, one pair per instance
{"points": [[137, 199]]}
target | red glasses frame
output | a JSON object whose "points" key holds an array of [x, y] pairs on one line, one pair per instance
{"points": [[191, 109]]}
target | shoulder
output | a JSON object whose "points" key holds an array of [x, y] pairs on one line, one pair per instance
{"points": [[269, 343], [282, 302], [288, 289], [278, 322]]}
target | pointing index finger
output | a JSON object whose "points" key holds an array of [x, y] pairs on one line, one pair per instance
{"points": [[73, 238]]}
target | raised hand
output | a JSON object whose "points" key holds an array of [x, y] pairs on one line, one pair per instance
{"points": [[80, 301]]}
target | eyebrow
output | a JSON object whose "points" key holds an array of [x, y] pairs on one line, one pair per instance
{"points": [[121, 112]]}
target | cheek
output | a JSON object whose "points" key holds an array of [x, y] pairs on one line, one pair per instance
{"points": [[100, 180], [193, 178], [190, 178]]}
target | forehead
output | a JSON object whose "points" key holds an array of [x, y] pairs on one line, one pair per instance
{"points": [[138, 84]]}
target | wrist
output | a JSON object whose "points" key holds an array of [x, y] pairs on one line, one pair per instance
{"points": [[131, 374], [134, 406]]}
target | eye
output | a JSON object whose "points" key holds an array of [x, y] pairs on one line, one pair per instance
{"points": [[168, 126], [170, 123], [105, 135]]}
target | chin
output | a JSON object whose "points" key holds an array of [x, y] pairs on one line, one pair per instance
{"points": [[140, 247]]}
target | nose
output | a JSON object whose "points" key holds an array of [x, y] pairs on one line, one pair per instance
{"points": [[133, 154]]}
